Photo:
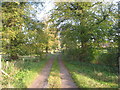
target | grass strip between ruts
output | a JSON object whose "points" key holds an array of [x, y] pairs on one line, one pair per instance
{"points": [[54, 79]]}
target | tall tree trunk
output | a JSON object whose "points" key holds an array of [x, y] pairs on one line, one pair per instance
{"points": [[46, 49]]}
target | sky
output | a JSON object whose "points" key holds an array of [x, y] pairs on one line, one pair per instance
{"points": [[42, 14]]}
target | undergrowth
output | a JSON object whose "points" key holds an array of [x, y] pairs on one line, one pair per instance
{"points": [[87, 75], [21, 73]]}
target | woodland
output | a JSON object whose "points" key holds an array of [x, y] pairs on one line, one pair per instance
{"points": [[83, 35]]}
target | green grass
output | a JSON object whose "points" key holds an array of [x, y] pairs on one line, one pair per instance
{"points": [[54, 80], [88, 75], [22, 73]]}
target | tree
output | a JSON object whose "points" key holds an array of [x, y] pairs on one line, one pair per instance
{"points": [[12, 22], [22, 33], [84, 26]]}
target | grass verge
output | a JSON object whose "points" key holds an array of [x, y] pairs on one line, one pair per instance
{"points": [[22, 73], [54, 80], [88, 75]]}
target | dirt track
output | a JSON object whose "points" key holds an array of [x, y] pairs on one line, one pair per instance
{"points": [[66, 79], [42, 80]]}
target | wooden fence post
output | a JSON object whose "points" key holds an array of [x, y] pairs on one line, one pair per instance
{"points": [[0, 71]]}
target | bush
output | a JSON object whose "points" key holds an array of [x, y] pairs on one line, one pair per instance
{"points": [[108, 58], [82, 54]]}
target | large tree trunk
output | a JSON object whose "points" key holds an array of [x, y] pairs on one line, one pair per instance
{"points": [[83, 53], [46, 49]]}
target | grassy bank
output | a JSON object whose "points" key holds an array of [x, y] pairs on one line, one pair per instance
{"points": [[54, 80], [88, 75], [21, 73]]}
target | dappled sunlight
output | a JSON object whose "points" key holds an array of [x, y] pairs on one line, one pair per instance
{"points": [[91, 75], [54, 79], [24, 71], [88, 82], [84, 33]]}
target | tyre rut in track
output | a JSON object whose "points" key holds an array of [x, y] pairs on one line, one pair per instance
{"points": [[42, 80], [66, 79]]}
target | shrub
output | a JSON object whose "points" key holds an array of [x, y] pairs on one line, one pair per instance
{"points": [[108, 58]]}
